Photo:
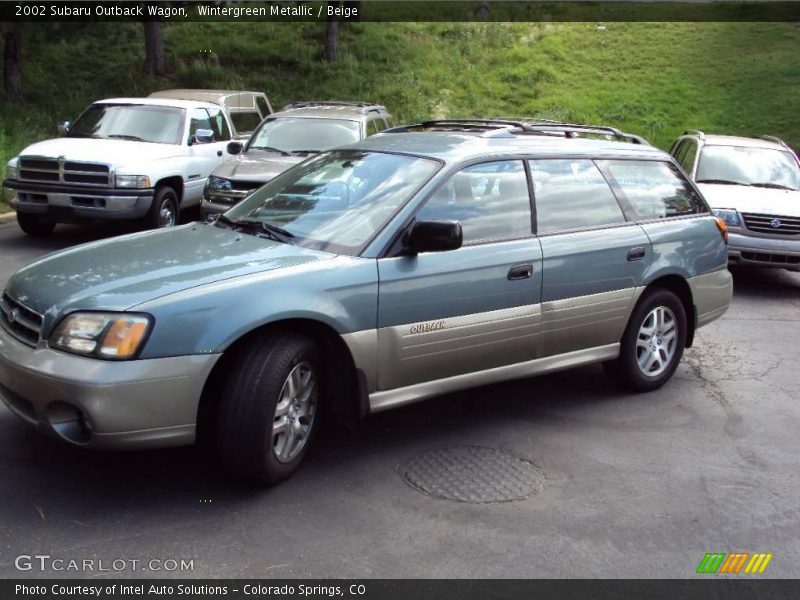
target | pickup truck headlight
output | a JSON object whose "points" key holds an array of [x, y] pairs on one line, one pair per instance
{"points": [[116, 336], [132, 181], [729, 216], [219, 184], [12, 170]]}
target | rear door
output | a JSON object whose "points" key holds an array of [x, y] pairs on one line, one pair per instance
{"points": [[447, 313], [593, 259]]}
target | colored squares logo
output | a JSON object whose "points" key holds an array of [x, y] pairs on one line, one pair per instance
{"points": [[734, 563]]}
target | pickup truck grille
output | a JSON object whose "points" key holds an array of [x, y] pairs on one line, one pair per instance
{"points": [[51, 170], [773, 224], [20, 321]]}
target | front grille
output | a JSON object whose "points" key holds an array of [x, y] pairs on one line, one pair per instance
{"points": [[245, 186], [50, 170], [19, 320], [775, 259], [773, 224]]}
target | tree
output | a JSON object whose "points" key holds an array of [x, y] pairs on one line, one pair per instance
{"points": [[12, 63], [331, 34], [482, 12], [154, 61]]}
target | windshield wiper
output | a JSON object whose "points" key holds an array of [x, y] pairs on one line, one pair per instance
{"points": [[775, 186], [306, 151], [270, 149], [120, 136], [273, 231], [722, 181]]}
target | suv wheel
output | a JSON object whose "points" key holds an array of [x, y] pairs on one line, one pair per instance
{"points": [[269, 408], [33, 225], [164, 211], [653, 342]]}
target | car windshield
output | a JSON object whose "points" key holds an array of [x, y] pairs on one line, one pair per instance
{"points": [[748, 166], [136, 122], [337, 201], [296, 134]]}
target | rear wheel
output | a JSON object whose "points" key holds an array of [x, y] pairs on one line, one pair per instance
{"points": [[164, 211], [35, 225], [269, 408], [653, 342]]}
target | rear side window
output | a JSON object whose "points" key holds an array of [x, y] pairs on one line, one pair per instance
{"points": [[571, 194], [653, 189], [245, 122], [490, 200], [219, 125], [263, 106], [373, 126]]}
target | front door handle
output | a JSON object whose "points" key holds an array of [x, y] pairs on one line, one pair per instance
{"points": [[219, 152], [636, 253], [520, 272]]}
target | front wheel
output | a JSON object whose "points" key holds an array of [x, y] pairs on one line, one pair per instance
{"points": [[269, 407], [164, 211], [653, 342], [35, 226]]}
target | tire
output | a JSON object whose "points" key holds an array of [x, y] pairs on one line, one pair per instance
{"points": [[165, 210], [35, 226], [646, 362], [264, 429]]}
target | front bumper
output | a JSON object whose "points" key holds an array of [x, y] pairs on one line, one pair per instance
{"points": [[60, 202], [103, 404], [746, 249]]}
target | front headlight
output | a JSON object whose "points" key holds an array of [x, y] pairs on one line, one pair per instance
{"points": [[219, 184], [116, 336], [132, 181], [729, 216], [12, 170]]}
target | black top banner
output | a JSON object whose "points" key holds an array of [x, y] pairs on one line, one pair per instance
{"points": [[402, 11]]}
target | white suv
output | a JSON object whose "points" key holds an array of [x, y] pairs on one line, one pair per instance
{"points": [[753, 184], [123, 158]]}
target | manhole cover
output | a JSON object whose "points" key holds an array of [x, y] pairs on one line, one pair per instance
{"points": [[473, 474]]}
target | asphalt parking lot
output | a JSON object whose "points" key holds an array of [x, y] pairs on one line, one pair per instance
{"points": [[631, 485]]}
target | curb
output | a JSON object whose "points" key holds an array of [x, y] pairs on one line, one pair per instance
{"points": [[7, 217]]}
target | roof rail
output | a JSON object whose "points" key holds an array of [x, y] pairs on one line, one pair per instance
{"points": [[696, 132], [366, 106], [571, 130], [775, 139]]}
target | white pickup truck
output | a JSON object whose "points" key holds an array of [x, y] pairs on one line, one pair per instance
{"points": [[122, 158]]}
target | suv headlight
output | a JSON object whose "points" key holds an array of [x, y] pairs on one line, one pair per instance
{"points": [[12, 169], [219, 184], [132, 181], [729, 216], [116, 336]]}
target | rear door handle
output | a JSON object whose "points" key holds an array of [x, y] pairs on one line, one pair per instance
{"points": [[636, 253], [520, 272]]}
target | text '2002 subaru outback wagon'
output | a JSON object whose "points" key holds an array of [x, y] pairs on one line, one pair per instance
{"points": [[400, 267]]}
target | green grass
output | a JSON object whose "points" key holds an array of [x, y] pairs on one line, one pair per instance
{"points": [[655, 79]]}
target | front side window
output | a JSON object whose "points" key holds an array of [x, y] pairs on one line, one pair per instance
{"points": [[490, 200], [199, 119], [571, 194], [687, 156], [336, 201], [263, 106], [135, 122], [759, 167], [303, 135], [653, 189]]}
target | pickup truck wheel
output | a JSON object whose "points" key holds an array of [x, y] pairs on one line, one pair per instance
{"points": [[164, 211], [33, 225], [652, 344], [269, 409]]}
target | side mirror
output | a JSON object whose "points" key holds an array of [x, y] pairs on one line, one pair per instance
{"points": [[234, 147], [436, 236], [203, 136], [63, 127]]}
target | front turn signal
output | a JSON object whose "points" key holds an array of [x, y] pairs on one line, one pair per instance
{"points": [[723, 229]]}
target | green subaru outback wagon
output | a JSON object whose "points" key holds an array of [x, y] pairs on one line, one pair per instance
{"points": [[412, 263]]}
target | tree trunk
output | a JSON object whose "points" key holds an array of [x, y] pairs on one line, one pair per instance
{"points": [[482, 12], [331, 36], [12, 64], [154, 61]]}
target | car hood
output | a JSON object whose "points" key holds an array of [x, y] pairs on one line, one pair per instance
{"points": [[122, 272], [744, 198], [115, 152], [256, 165]]}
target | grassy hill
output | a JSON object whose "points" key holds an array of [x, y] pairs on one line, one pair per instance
{"points": [[655, 79]]}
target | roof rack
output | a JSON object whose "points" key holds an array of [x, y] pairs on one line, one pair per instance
{"points": [[572, 130], [775, 139], [365, 106], [696, 132]]}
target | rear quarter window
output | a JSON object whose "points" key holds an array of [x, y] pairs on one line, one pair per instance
{"points": [[652, 189]]}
